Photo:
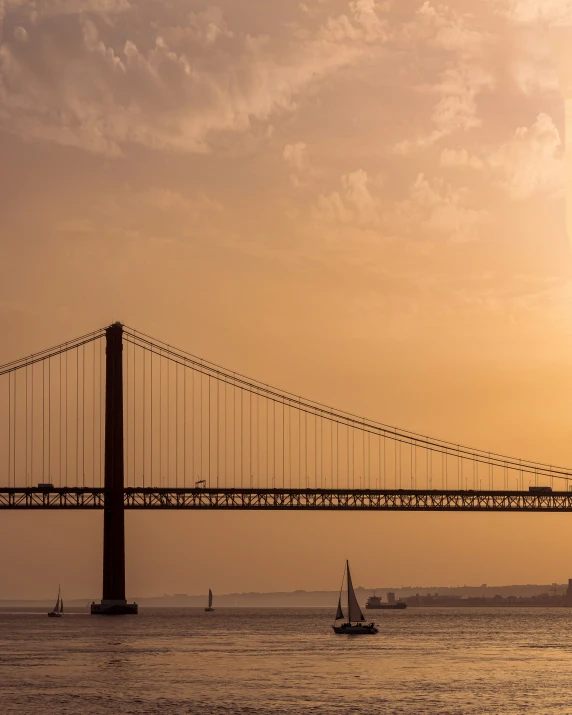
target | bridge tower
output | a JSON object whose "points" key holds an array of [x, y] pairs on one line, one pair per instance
{"points": [[113, 601]]}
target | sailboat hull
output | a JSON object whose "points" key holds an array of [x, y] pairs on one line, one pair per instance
{"points": [[53, 614], [208, 609], [350, 629]]}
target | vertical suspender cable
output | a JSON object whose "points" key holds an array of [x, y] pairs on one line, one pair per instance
{"points": [[177, 425], [348, 485], [101, 435], [60, 425], [15, 421], [66, 421], [125, 361], [193, 421], [160, 419], [43, 420], [168, 470], [315, 450], [338, 455], [289, 446], [83, 415], [26, 431], [306, 449], [217, 431], [225, 448], [10, 424], [93, 414], [299, 444], [185, 426], [151, 421], [234, 432], [144, 422], [77, 416], [201, 422], [209, 433], [49, 419], [32, 431], [134, 412]]}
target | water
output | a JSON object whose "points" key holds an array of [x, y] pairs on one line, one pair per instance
{"points": [[257, 662]]}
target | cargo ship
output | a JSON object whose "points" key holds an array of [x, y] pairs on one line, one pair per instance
{"points": [[376, 602]]}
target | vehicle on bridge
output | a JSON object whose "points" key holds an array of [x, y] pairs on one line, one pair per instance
{"points": [[540, 490]]}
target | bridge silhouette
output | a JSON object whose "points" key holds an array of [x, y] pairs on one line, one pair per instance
{"points": [[117, 420]]}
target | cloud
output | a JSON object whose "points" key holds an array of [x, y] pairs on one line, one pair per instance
{"points": [[363, 23], [531, 162], [534, 11], [355, 205], [20, 34], [296, 155], [38, 9], [357, 194], [448, 30], [458, 158], [208, 26], [456, 110], [435, 208], [463, 78], [175, 85]]}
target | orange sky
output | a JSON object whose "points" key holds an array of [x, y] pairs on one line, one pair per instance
{"points": [[362, 202]]}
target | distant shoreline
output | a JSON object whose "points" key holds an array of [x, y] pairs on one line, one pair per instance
{"points": [[414, 596], [373, 613]]}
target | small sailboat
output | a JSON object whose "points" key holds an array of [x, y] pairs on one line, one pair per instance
{"points": [[58, 611], [210, 606], [355, 624]]}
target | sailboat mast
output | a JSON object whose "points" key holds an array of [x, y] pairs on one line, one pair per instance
{"points": [[348, 585]]}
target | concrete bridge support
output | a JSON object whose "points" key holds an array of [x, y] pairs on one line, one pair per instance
{"points": [[113, 601]]}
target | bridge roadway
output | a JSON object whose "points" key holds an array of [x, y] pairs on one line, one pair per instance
{"points": [[288, 499]]}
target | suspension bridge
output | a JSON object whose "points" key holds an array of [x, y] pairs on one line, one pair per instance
{"points": [[117, 420]]}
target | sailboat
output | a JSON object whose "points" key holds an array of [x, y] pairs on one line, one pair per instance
{"points": [[58, 611], [210, 606], [355, 624]]}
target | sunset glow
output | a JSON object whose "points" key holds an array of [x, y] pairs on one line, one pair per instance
{"points": [[363, 202]]}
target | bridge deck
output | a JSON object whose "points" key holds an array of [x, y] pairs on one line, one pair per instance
{"points": [[288, 499]]}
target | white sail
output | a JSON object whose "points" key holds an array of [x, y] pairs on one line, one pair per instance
{"points": [[354, 611], [210, 598], [339, 612]]}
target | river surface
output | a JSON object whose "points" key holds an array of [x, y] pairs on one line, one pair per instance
{"points": [[257, 662]]}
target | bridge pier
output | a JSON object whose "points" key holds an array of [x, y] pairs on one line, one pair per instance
{"points": [[113, 601]]}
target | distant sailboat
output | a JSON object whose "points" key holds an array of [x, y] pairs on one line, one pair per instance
{"points": [[58, 611], [355, 624], [210, 606]]}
